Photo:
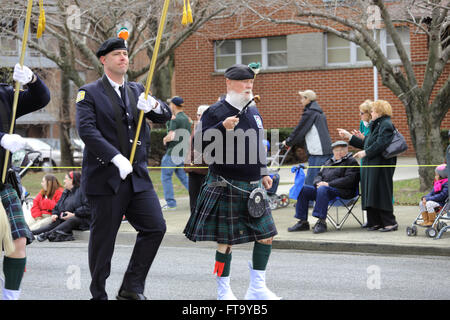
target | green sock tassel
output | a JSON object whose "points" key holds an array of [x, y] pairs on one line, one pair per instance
{"points": [[223, 264]]}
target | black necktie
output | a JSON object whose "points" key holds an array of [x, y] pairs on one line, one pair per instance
{"points": [[122, 94]]}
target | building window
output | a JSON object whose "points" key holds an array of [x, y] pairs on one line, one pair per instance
{"points": [[270, 52], [342, 52], [8, 45]]}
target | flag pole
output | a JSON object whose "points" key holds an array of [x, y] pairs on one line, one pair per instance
{"points": [[17, 87], [150, 74]]}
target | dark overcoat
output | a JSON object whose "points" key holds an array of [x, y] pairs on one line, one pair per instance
{"points": [[97, 127], [377, 187]]}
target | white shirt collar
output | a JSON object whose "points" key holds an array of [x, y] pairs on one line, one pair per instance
{"points": [[115, 85]]}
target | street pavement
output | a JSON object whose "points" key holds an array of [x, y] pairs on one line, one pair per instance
{"points": [[351, 238]]}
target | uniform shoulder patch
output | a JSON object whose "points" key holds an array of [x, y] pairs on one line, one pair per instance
{"points": [[80, 95]]}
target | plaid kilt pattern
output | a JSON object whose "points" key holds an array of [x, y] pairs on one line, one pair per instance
{"points": [[221, 215], [13, 208]]}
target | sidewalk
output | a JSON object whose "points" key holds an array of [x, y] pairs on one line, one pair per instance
{"points": [[351, 238]]}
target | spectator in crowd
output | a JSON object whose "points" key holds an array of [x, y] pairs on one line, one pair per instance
{"points": [[312, 130], [45, 201], [364, 129], [195, 165], [339, 177], [377, 186], [436, 197], [174, 161], [71, 212]]}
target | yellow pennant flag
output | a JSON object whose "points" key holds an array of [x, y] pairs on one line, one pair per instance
{"points": [[187, 13], [41, 25]]}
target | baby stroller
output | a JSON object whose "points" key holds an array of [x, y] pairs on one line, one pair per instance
{"points": [[21, 162], [275, 162], [438, 225]]}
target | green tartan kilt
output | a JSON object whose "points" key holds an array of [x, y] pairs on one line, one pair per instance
{"points": [[221, 215], [13, 208]]}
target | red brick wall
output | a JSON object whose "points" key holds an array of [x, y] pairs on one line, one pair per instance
{"points": [[340, 91]]}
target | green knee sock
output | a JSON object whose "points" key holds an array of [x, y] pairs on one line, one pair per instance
{"points": [[223, 264], [13, 269], [261, 254]]}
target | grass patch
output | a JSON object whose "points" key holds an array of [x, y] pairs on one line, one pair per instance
{"points": [[407, 192], [32, 182]]}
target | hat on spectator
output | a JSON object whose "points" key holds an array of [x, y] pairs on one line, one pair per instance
{"points": [[311, 95], [339, 143], [442, 171], [176, 100], [110, 45]]}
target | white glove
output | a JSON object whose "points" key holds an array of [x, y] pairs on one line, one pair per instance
{"points": [[123, 164], [146, 105], [22, 74], [13, 142]]}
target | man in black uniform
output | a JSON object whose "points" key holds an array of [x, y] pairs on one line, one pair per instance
{"points": [[35, 97], [235, 173], [107, 118]]}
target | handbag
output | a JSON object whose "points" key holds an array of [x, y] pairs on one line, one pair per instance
{"points": [[397, 146]]}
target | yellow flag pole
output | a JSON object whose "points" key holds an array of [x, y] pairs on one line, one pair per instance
{"points": [[17, 87], [150, 74]]}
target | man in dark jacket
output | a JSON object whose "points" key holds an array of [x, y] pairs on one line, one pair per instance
{"points": [[36, 96], [107, 119], [339, 177], [312, 130]]}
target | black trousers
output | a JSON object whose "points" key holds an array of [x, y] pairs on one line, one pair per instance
{"points": [[195, 182], [143, 212], [378, 217]]}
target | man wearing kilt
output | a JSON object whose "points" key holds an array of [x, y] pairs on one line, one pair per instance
{"points": [[222, 212], [35, 97]]}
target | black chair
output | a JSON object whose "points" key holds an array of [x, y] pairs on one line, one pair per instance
{"points": [[348, 204]]}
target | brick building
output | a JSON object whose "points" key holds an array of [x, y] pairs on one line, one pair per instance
{"points": [[294, 58]]}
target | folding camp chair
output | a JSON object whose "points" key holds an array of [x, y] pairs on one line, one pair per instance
{"points": [[348, 204]]}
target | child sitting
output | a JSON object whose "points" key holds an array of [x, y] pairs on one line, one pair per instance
{"points": [[436, 198]]}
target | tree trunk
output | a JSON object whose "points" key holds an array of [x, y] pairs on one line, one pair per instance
{"points": [[64, 123], [64, 117], [426, 137]]}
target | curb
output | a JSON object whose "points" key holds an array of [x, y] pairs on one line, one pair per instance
{"points": [[351, 247]]}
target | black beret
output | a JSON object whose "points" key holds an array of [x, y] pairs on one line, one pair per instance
{"points": [[110, 45], [239, 72]]}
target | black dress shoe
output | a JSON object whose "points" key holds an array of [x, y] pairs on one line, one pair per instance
{"points": [[301, 225], [373, 228], [320, 226], [127, 295], [391, 228], [42, 237]]}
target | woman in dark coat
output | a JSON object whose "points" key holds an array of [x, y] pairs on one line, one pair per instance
{"points": [[377, 182], [71, 212]]}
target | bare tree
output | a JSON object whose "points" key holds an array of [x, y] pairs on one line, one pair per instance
{"points": [[79, 27], [425, 101]]}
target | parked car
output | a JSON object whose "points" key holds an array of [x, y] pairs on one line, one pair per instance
{"points": [[50, 157], [77, 144]]}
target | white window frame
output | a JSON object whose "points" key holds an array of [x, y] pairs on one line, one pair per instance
{"points": [[238, 54], [353, 52]]}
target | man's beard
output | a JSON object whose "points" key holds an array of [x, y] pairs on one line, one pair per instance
{"points": [[239, 100]]}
